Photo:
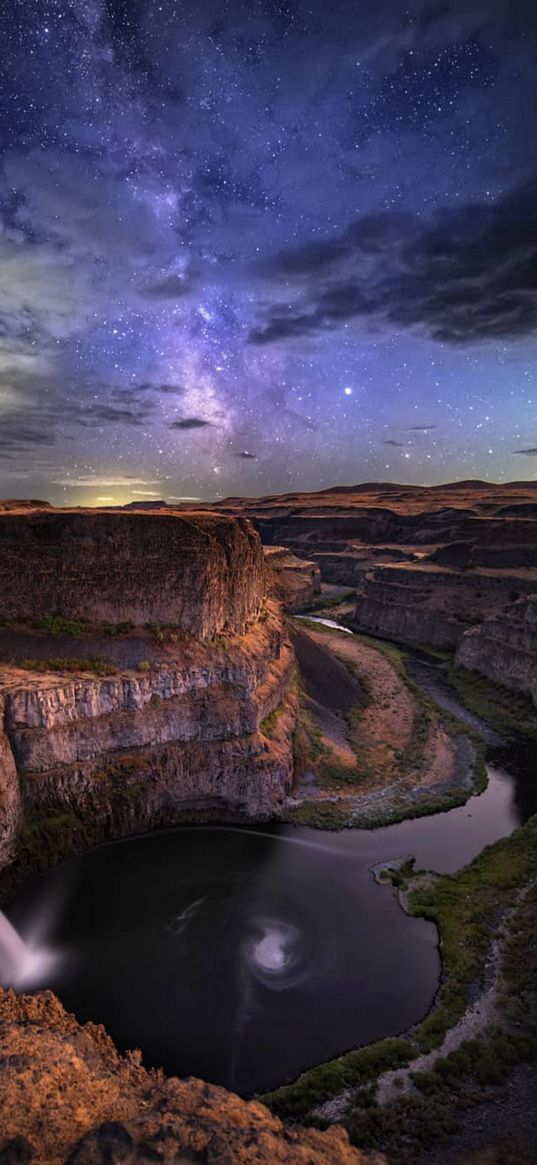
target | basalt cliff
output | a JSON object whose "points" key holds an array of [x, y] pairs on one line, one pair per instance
{"points": [[429, 564], [141, 655]]}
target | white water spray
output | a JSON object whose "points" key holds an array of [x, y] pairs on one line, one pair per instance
{"points": [[21, 963]]}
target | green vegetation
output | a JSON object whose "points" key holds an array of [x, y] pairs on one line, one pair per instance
{"points": [[269, 723], [475, 1071], [321, 603], [46, 840], [353, 1070], [466, 907], [96, 664], [511, 713], [77, 628], [57, 625]]}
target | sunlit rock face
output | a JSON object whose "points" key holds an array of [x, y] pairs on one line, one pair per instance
{"points": [[295, 581], [172, 723], [66, 1095], [203, 573], [504, 647]]}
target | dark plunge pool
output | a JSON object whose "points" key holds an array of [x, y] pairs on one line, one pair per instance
{"points": [[244, 956]]}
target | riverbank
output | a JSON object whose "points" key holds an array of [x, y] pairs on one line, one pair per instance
{"points": [[393, 1095], [387, 754]]}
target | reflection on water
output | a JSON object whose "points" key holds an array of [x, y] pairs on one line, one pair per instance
{"points": [[246, 955]]}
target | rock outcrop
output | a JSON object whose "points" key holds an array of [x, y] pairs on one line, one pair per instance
{"points": [[429, 604], [295, 581], [504, 647], [135, 749], [68, 1098], [108, 730], [203, 573]]}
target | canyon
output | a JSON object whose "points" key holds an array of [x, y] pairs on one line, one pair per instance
{"points": [[148, 678], [429, 563]]}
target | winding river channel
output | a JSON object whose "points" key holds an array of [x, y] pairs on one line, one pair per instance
{"points": [[247, 955]]}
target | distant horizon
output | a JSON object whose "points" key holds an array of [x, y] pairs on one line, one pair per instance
{"points": [[522, 483]]}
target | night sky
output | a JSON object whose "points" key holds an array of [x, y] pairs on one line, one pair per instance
{"points": [[262, 246]]}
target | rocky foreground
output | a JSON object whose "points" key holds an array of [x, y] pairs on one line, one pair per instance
{"points": [[66, 1096]]}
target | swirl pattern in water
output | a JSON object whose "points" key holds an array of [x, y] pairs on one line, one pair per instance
{"points": [[239, 957]]}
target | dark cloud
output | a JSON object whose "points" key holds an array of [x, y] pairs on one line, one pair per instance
{"points": [[396, 444], [111, 414], [421, 428], [170, 287], [21, 436], [247, 456], [469, 274], [159, 387], [531, 452], [190, 423]]}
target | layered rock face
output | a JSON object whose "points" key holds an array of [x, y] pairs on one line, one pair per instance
{"points": [[428, 562], [504, 647], [134, 750], [172, 723], [433, 605], [68, 1098], [202, 573], [295, 581]]}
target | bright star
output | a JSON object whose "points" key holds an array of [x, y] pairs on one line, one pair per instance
{"points": [[347, 391]]}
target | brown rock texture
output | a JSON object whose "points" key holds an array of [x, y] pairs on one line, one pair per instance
{"points": [[429, 604], [97, 756], [429, 561], [67, 1096], [200, 572], [504, 647], [295, 581]]}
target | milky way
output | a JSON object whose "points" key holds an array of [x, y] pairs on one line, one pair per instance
{"points": [[252, 247]]}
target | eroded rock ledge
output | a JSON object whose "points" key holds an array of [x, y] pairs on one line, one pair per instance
{"points": [[203, 573], [171, 720], [67, 1096], [504, 647]]}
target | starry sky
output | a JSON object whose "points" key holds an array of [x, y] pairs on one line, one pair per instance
{"points": [[265, 245]]}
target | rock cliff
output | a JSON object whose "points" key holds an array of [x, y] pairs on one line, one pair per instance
{"points": [[68, 1098], [203, 573], [109, 728], [295, 581], [429, 604], [504, 647]]}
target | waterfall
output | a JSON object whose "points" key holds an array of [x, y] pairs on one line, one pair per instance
{"points": [[21, 963]]}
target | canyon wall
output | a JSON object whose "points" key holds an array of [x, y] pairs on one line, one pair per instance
{"points": [[295, 581], [113, 729], [202, 573], [504, 647], [433, 605]]}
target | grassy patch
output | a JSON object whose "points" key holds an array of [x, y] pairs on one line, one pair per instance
{"points": [[475, 1072], [96, 664], [511, 713], [77, 628], [354, 1069]]}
